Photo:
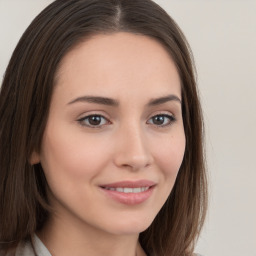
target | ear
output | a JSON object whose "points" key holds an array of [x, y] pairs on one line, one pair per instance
{"points": [[34, 158]]}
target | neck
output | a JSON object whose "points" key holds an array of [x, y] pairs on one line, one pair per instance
{"points": [[72, 238]]}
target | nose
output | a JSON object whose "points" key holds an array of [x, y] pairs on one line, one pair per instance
{"points": [[132, 149]]}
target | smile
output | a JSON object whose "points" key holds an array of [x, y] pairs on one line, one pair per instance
{"points": [[128, 190]]}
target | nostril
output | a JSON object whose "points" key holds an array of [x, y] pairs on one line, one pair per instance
{"points": [[132, 162], [132, 150]]}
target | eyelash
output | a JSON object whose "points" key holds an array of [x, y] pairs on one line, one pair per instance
{"points": [[171, 120], [84, 121]]}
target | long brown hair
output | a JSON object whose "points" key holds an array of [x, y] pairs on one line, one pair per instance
{"points": [[24, 105]]}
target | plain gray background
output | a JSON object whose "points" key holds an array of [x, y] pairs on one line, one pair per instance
{"points": [[222, 35]]}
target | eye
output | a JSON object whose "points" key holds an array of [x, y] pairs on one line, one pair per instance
{"points": [[162, 120], [94, 121]]}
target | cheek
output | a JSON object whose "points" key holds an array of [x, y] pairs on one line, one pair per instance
{"points": [[169, 155], [66, 156]]}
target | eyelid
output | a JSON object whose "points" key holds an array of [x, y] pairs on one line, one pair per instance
{"points": [[82, 119], [168, 115]]}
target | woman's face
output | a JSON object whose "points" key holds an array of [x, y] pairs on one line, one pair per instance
{"points": [[114, 140]]}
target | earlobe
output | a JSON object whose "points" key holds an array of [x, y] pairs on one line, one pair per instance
{"points": [[34, 158]]}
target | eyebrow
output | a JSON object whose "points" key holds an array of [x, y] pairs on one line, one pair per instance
{"points": [[162, 100], [112, 102], [97, 100]]}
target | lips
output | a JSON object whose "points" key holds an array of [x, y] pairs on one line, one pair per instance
{"points": [[129, 192], [130, 184]]}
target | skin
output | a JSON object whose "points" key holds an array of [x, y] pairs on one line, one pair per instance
{"points": [[126, 144]]}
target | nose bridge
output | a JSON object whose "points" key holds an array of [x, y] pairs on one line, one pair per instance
{"points": [[132, 150]]}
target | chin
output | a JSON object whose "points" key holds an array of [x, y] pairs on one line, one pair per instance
{"points": [[131, 226]]}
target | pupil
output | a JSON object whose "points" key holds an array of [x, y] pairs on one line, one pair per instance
{"points": [[94, 120], [158, 120]]}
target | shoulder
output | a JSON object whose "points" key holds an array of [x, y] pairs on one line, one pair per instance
{"points": [[24, 249], [33, 247]]}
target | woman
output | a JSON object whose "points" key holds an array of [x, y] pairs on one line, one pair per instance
{"points": [[101, 135]]}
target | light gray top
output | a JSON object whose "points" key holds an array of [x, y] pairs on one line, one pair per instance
{"points": [[26, 249]]}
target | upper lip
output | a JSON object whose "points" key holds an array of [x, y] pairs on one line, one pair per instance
{"points": [[129, 184]]}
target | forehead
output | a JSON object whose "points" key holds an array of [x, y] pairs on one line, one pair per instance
{"points": [[118, 63]]}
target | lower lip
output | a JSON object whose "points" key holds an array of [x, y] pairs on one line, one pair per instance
{"points": [[129, 198]]}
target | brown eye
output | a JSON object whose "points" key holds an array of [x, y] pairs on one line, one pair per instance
{"points": [[161, 120], [95, 121], [158, 120]]}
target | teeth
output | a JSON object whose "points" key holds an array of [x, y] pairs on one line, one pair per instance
{"points": [[136, 190], [129, 190]]}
